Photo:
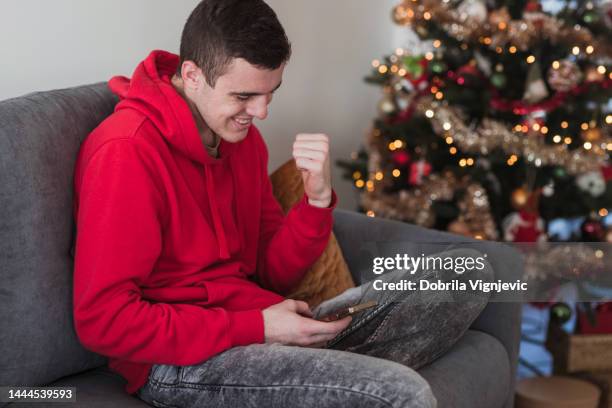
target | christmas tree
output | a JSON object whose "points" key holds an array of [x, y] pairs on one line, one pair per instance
{"points": [[498, 124]]}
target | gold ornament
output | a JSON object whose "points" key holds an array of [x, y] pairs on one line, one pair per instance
{"points": [[593, 75], [591, 135], [387, 105], [500, 18], [519, 198], [608, 237], [402, 14], [459, 227]]}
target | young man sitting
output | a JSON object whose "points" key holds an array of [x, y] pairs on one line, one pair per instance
{"points": [[183, 256]]}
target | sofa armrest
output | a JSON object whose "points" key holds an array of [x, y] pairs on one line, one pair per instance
{"points": [[354, 231]]}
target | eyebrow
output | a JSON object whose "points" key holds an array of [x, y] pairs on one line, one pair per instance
{"points": [[254, 93]]}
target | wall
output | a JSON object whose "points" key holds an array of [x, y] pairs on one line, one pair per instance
{"points": [[62, 43]]}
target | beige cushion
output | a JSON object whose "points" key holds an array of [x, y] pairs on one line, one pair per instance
{"points": [[329, 276]]}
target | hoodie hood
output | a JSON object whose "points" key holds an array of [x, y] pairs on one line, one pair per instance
{"points": [[151, 92]]}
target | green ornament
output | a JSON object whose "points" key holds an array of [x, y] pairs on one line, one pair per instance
{"points": [[438, 67], [560, 172], [560, 313], [590, 17], [498, 80], [413, 65]]}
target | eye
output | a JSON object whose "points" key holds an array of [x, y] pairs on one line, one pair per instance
{"points": [[243, 97]]}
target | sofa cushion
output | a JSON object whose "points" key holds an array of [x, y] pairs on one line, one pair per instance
{"points": [[40, 135], [97, 388], [329, 275], [475, 373]]}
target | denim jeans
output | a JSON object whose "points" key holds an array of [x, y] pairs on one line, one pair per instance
{"points": [[370, 364]]}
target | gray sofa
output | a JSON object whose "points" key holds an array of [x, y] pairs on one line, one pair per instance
{"points": [[39, 138]]}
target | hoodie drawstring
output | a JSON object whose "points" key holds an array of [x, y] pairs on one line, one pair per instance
{"points": [[212, 203]]}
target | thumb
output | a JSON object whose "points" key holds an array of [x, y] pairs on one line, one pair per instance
{"points": [[303, 308]]}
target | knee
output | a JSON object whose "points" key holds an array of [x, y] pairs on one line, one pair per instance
{"points": [[401, 386]]}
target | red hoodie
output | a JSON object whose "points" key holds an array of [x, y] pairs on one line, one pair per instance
{"points": [[177, 253]]}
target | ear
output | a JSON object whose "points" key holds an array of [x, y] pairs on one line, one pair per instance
{"points": [[192, 75]]}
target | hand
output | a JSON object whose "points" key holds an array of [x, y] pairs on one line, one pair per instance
{"points": [[311, 153], [290, 322]]}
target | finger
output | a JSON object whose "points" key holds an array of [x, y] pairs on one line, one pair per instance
{"points": [[310, 154], [318, 327], [307, 164], [303, 308], [312, 136], [318, 146]]}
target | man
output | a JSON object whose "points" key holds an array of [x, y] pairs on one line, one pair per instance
{"points": [[183, 255]]}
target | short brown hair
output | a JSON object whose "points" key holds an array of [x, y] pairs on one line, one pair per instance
{"points": [[218, 31]]}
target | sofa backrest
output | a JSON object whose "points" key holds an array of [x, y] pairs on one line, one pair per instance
{"points": [[40, 135]]}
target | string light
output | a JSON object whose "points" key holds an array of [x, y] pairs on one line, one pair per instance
{"points": [[564, 124], [357, 175], [584, 126], [567, 140], [376, 63], [470, 162], [536, 127], [609, 119], [401, 72], [359, 183], [556, 64], [462, 163], [427, 15], [396, 173], [603, 212], [446, 126], [370, 213], [449, 140], [544, 130], [487, 40], [430, 114], [512, 49], [398, 144], [590, 49], [392, 146], [601, 69], [453, 150], [429, 56], [530, 59], [437, 43], [394, 68], [576, 50], [439, 95], [587, 145], [512, 159], [557, 139], [379, 175], [383, 69]]}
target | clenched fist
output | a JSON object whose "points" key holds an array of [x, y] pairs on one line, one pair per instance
{"points": [[311, 154]]}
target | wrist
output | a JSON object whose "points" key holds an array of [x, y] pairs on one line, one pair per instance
{"points": [[321, 203]]}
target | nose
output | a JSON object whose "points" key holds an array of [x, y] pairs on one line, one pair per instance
{"points": [[258, 107]]}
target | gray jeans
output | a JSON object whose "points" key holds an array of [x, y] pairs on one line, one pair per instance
{"points": [[370, 364]]}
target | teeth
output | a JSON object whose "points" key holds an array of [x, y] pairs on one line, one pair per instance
{"points": [[242, 121]]}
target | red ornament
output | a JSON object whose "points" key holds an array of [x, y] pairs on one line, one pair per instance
{"points": [[592, 231], [533, 6], [606, 172], [418, 171], [524, 226], [401, 158]]}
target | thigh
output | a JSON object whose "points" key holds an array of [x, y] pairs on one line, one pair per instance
{"points": [[274, 375]]}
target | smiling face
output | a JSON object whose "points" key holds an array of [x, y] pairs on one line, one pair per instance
{"points": [[241, 94]]}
